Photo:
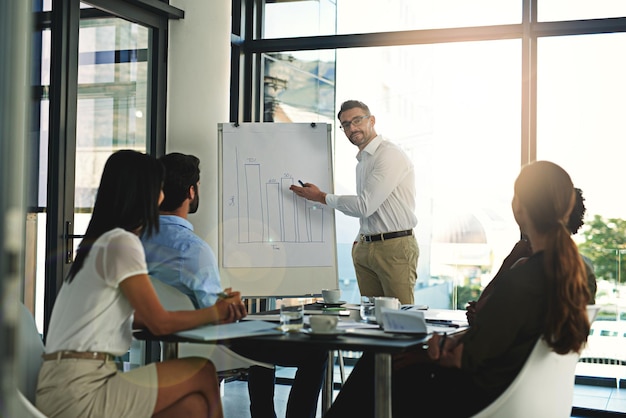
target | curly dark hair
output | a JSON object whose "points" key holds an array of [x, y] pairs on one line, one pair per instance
{"points": [[576, 218]]}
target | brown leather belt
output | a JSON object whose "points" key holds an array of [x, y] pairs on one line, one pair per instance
{"points": [[386, 235], [84, 355]]}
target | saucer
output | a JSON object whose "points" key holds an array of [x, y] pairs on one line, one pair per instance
{"points": [[325, 334], [331, 305]]}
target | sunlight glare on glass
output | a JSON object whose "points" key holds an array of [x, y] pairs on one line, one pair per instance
{"points": [[553, 10], [580, 113]]}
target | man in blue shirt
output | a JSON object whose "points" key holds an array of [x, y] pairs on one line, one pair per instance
{"points": [[178, 257]]}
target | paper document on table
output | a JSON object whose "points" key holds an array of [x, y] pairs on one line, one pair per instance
{"points": [[377, 333], [410, 322], [263, 317], [328, 311], [229, 331], [356, 325]]}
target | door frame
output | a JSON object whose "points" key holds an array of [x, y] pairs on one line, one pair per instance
{"points": [[65, 27]]}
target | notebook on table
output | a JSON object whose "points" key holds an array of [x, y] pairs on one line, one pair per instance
{"points": [[229, 331]]}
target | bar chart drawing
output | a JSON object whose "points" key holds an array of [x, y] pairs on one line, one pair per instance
{"points": [[285, 216], [264, 223]]}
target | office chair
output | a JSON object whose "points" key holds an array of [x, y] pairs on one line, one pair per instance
{"points": [[28, 351], [598, 362], [227, 362], [544, 388]]}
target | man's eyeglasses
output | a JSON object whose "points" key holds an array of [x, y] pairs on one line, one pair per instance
{"points": [[355, 121]]}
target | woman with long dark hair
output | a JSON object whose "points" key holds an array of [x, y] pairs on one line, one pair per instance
{"points": [[106, 293], [545, 297]]}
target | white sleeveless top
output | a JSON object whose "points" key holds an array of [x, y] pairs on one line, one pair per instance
{"points": [[91, 313]]}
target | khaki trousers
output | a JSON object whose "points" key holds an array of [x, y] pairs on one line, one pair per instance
{"points": [[387, 268]]}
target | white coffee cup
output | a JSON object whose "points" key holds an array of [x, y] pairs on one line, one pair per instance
{"points": [[331, 295], [323, 323], [384, 302]]}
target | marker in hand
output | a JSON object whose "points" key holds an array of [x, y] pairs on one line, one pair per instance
{"points": [[301, 184], [223, 295]]}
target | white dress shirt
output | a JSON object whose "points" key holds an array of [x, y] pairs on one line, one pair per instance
{"points": [[385, 200]]}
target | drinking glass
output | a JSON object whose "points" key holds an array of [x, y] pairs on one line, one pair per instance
{"points": [[291, 316], [368, 310]]}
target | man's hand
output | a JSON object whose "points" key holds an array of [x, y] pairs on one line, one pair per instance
{"points": [[310, 192]]}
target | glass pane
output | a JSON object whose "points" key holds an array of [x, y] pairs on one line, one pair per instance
{"points": [[44, 5], [112, 111], [364, 16], [35, 254], [451, 123], [553, 10], [311, 18], [39, 226], [112, 100], [299, 18], [44, 119], [580, 126], [299, 86]]}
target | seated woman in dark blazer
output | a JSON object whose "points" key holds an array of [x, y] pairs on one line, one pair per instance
{"points": [[545, 297]]}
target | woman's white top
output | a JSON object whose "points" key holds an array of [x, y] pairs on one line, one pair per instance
{"points": [[91, 313]]}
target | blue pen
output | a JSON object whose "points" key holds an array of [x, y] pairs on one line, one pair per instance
{"points": [[301, 184], [442, 342]]}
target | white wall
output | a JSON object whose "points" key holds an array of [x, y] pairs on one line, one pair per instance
{"points": [[199, 96]]}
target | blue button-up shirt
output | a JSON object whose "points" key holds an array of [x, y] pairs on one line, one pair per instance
{"points": [[178, 257]]}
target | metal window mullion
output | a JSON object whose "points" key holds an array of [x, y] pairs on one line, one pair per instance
{"points": [[62, 144]]}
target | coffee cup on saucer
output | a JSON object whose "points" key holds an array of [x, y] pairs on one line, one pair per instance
{"points": [[323, 324], [331, 295]]}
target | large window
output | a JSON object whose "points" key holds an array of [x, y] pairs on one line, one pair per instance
{"points": [[451, 123], [471, 90]]}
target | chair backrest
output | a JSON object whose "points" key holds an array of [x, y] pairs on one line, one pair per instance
{"points": [[592, 312], [29, 350], [25, 409], [222, 357], [171, 298], [543, 388]]}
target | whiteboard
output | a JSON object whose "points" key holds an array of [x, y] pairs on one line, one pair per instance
{"points": [[273, 243]]}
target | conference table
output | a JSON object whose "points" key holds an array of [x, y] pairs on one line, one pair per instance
{"points": [[375, 341]]}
